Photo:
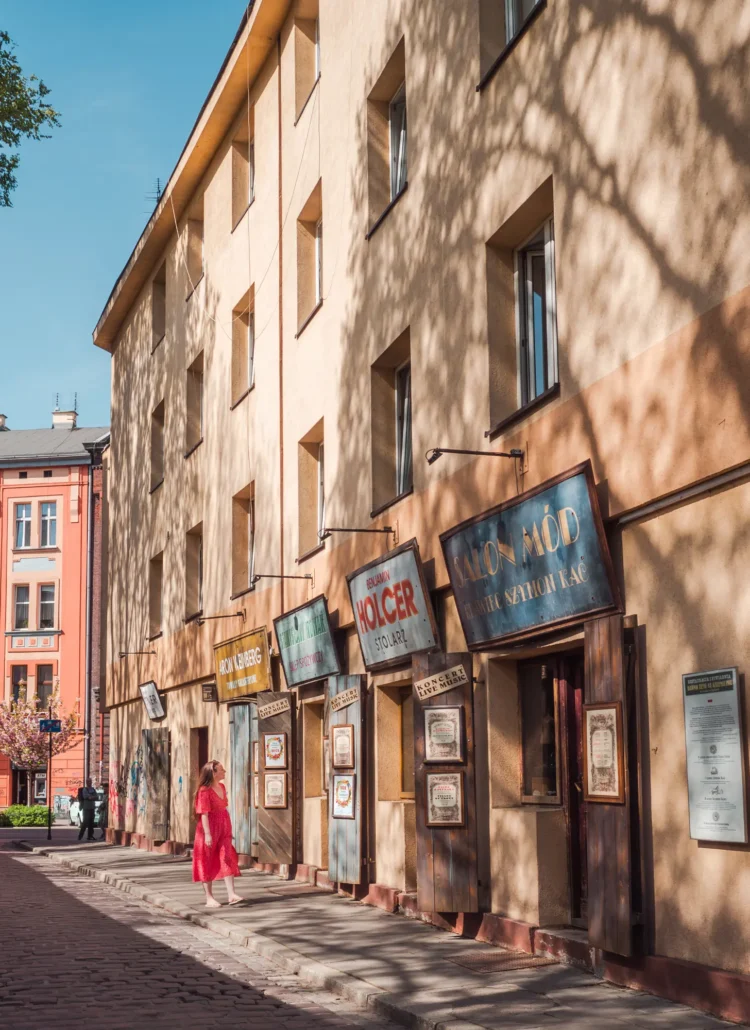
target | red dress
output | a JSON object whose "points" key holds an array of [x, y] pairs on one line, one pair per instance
{"points": [[220, 859]]}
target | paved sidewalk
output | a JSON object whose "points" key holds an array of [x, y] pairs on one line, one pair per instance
{"points": [[396, 967]]}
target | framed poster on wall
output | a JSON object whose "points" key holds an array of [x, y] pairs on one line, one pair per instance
{"points": [[342, 746], [343, 796], [274, 790], [445, 799], [443, 734], [256, 791], [256, 756], [603, 755], [274, 750]]}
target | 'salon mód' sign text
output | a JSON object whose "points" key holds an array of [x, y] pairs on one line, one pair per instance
{"points": [[392, 610], [538, 561]]}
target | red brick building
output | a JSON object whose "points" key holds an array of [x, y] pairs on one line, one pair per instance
{"points": [[51, 504]]}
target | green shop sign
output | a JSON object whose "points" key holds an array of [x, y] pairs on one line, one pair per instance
{"points": [[536, 562], [306, 643]]}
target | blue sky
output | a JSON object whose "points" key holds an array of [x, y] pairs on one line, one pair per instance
{"points": [[128, 80]]}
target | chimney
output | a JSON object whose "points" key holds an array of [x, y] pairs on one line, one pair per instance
{"points": [[64, 419], [3, 427]]}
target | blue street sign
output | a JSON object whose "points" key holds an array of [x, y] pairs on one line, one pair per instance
{"points": [[50, 725]]}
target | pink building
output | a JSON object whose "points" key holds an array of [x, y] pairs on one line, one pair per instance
{"points": [[48, 517]]}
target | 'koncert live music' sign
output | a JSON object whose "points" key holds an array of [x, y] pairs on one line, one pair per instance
{"points": [[392, 610], [536, 562]]}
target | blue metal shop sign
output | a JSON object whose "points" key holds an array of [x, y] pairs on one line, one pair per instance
{"points": [[536, 562]]}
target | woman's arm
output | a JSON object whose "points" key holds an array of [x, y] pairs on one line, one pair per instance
{"points": [[206, 829]]}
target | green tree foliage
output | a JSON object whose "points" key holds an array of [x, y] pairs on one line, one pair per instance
{"points": [[24, 112]]}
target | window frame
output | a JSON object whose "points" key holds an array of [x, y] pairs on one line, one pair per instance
{"points": [[403, 401], [27, 603], [549, 799], [399, 168], [250, 330], [523, 257], [14, 683], [43, 603], [46, 522], [405, 694], [319, 261], [321, 493], [45, 665], [24, 524]]}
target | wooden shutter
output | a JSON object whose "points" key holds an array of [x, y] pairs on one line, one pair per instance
{"points": [[609, 831], [276, 825], [447, 870], [240, 780], [156, 765], [346, 836]]}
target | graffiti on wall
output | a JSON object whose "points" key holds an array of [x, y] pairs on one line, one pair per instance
{"points": [[118, 786]]}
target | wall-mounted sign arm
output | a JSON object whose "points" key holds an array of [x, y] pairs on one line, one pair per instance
{"points": [[325, 533], [232, 615], [433, 453]]}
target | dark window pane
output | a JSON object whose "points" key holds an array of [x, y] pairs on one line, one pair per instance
{"points": [[539, 321], [19, 677], [539, 736]]}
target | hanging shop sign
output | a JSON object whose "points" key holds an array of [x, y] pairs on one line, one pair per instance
{"points": [[344, 699], [714, 748], [274, 708], [243, 665], [392, 609], [209, 692], [306, 643], [441, 682], [152, 700], [536, 562]]}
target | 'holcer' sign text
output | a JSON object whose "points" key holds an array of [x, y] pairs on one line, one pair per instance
{"points": [[392, 610], [538, 561]]}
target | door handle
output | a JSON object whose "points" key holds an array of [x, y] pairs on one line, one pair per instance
{"points": [[578, 787]]}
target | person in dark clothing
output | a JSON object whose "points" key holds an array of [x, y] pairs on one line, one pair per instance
{"points": [[87, 800]]}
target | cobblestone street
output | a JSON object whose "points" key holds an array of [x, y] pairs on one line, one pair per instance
{"points": [[82, 954]]}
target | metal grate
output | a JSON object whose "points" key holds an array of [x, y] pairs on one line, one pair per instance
{"points": [[496, 960], [293, 890]]}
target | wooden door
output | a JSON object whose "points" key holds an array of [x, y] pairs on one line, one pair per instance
{"points": [[571, 697], [156, 769], [346, 837], [276, 825], [447, 867], [610, 917], [240, 777], [254, 749]]}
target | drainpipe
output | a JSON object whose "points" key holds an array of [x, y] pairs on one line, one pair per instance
{"points": [[281, 334], [89, 592]]}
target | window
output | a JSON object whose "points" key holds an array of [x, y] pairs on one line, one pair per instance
{"points": [[306, 52], [44, 685], [310, 257], [243, 168], [392, 464], [155, 593], [20, 607], [403, 429], [23, 525], [406, 699], [243, 347], [387, 138], [47, 474], [516, 13], [48, 523], [243, 540], [537, 689], [159, 307], [194, 407], [311, 486], [23, 475], [397, 127], [535, 298], [47, 607], [195, 246], [499, 24], [19, 679], [157, 445], [194, 571]]}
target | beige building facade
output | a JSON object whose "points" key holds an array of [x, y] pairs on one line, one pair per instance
{"points": [[476, 226]]}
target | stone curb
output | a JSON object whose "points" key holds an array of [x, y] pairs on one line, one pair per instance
{"points": [[318, 974]]}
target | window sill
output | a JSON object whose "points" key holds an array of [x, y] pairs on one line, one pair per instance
{"points": [[389, 504], [242, 215], [241, 397], [197, 284], [158, 343], [307, 99], [195, 447], [308, 554], [193, 617], [379, 221], [156, 486], [510, 47], [154, 636], [241, 593], [309, 319], [33, 632], [35, 550], [521, 413]]}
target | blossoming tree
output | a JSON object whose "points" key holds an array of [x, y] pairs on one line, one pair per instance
{"points": [[20, 739]]}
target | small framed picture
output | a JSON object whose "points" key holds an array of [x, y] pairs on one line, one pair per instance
{"points": [[256, 790], [274, 790], [256, 756], [326, 763], [445, 799], [443, 734], [342, 746], [343, 804], [274, 750], [603, 755]]}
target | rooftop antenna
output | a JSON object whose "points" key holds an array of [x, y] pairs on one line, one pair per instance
{"points": [[57, 402], [157, 193], [75, 402]]}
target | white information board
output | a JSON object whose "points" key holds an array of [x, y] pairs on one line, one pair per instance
{"points": [[715, 758]]}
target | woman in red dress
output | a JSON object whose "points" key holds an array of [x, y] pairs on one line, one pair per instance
{"points": [[214, 857]]}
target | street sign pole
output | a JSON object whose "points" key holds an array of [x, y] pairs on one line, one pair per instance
{"points": [[49, 781]]}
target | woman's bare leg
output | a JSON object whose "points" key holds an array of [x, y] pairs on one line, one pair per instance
{"points": [[232, 893], [211, 901]]}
